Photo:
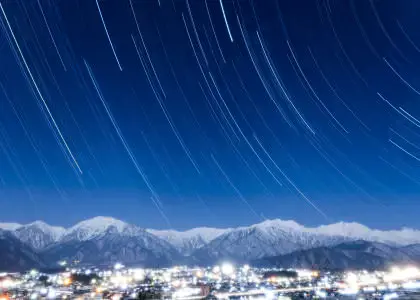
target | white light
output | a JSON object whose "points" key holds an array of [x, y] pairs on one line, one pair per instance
{"points": [[411, 285], [52, 294], [245, 268], [138, 274], [185, 292], [269, 294], [349, 291], [227, 269], [321, 294], [390, 296], [369, 289], [118, 266]]}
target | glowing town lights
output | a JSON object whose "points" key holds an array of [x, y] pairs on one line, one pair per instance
{"points": [[390, 296], [349, 291], [269, 294], [411, 285], [33, 272], [185, 292], [216, 269], [118, 266], [351, 278], [227, 269], [67, 281], [52, 294], [138, 274], [304, 273], [399, 274], [245, 268], [321, 294]]}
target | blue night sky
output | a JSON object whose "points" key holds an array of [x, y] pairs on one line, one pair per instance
{"points": [[183, 113]]}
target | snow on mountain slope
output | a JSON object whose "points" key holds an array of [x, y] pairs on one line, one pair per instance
{"points": [[268, 238], [90, 228], [354, 255], [106, 241], [9, 226], [405, 236], [278, 237], [15, 255], [38, 234], [188, 241]]}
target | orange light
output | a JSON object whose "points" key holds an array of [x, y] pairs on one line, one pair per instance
{"points": [[67, 281]]}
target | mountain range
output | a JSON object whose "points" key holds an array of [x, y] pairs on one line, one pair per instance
{"points": [[105, 240]]}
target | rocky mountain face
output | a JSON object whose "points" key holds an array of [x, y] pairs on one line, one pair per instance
{"points": [[186, 242], [349, 255], [15, 255], [103, 240], [38, 234]]}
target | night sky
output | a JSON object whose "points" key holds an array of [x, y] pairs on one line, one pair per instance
{"points": [[183, 113]]}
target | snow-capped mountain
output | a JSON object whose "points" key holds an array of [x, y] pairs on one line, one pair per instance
{"points": [[349, 255], [15, 255], [277, 237], [269, 238], [127, 244], [38, 234], [90, 228], [9, 226], [107, 239], [188, 241]]}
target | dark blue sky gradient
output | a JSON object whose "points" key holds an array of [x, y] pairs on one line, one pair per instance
{"points": [[310, 113]]}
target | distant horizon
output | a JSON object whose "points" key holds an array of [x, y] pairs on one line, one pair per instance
{"points": [[221, 228]]}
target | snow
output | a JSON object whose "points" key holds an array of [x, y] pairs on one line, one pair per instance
{"points": [[89, 228], [277, 234], [188, 241], [206, 233], [56, 232], [9, 226]]}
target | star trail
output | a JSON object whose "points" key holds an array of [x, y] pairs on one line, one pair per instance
{"points": [[181, 113]]}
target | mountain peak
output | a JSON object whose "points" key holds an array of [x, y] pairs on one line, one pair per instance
{"points": [[86, 229], [289, 224], [10, 226]]}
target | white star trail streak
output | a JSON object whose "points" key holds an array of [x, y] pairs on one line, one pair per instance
{"points": [[274, 72], [35, 85], [107, 35], [400, 77], [398, 111], [214, 32], [155, 198], [312, 90], [290, 181], [404, 150], [261, 76], [51, 35], [145, 48], [165, 112], [226, 21], [234, 187]]}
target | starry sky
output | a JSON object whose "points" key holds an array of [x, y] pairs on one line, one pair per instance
{"points": [[183, 113]]}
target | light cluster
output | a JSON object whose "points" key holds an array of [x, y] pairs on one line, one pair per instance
{"points": [[220, 282]]}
